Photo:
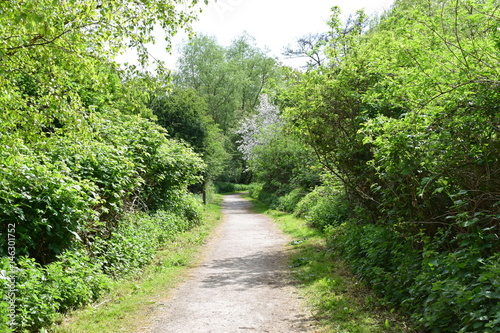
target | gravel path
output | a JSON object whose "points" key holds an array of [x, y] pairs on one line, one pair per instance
{"points": [[241, 285]]}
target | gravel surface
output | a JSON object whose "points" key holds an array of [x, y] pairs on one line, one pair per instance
{"points": [[242, 284]]}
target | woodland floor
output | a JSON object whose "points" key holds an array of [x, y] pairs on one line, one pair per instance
{"points": [[242, 282]]}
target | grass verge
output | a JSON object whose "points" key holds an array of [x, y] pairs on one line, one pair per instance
{"points": [[339, 301], [130, 303]]}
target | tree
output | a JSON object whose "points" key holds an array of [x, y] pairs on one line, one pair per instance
{"points": [[309, 46], [318, 47], [255, 128], [325, 107], [274, 155], [231, 79], [184, 114], [48, 49]]}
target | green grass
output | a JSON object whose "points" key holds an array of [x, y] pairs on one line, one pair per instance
{"points": [[339, 301], [130, 303]]}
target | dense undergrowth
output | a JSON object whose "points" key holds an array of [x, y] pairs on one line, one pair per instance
{"points": [[443, 285], [90, 184], [400, 123], [83, 213]]}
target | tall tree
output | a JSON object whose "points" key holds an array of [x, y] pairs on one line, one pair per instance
{"points": [[184, 114], [48, 48], [231, 79]]}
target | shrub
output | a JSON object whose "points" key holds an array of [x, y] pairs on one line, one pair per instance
{"points": [[378, 254], [42, 292], [110, 168], [322, 207], [452, 291], [255, 189], [134, 243], [78, 279], [48, 208], [457, 291], [37, 302], [224, 187], [289, 201]]}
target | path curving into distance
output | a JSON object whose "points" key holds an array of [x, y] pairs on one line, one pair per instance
{"points": [[242, 284]]}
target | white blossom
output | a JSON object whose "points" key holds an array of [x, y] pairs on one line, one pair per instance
{"points": [[256, 128]]}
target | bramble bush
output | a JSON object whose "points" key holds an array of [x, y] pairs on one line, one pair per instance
{"points": [[47, 206], [289, 201], [80, 276], [457, 290], [44, 291], [134, 242], [324, 206], [72, 200]]}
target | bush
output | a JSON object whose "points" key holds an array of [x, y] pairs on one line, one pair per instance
{"points": [[110, 168], [224, 187], [48, 208], [322, 207], [289, 202], [457, 291], [257, 191], [76, 279], [134, 243], [379, 255], [453, 291], [42, 292]]}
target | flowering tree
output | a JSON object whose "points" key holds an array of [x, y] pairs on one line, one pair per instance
{"points": [[257, 128]]}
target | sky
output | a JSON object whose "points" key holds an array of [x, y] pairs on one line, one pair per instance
{"points": [[273, 23]]}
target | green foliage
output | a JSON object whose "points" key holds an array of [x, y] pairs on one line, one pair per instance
{"points": [[41, 292], [78, 151], [451, 291], [36, 301], [107, 29], [134, 243], [183, 113], [77, 278], [224, 187], [380, 255], [324, 206], [282, 163], [406, 116], [230, 79], [48, 208], [288, 202], [56, 196], [109, 168]]}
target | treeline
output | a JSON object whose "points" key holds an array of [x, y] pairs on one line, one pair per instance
{"points": [[101, 164], [389, 142], [90, 185]]}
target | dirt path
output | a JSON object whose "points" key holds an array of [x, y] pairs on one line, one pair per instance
{"points": [[241, 285]]}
